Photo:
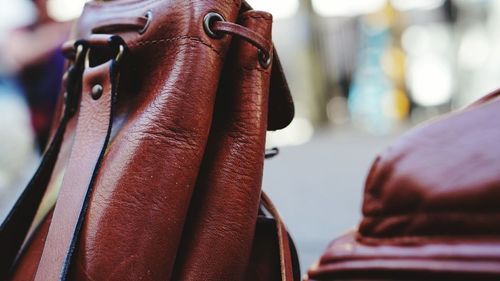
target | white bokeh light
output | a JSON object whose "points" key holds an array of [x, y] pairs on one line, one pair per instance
{"points": [[407, 5], [430, 80], [331, 8], [64, 10], [280, 9], [300, 131], [25, 14], [474, 48]]}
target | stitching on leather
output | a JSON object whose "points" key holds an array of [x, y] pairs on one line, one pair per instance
{"points": [[165, 40], [115, 5], [425, 238], [122, 5], [433, 214]]}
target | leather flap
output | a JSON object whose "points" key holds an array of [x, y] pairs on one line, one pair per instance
{"points": [[281, 107]]}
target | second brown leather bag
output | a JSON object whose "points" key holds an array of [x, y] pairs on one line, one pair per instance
{"points": [[430, 208], [159, 151]]}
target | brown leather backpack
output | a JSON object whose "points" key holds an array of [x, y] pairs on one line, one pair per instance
{"points": [[158, 151], [431, 206]]}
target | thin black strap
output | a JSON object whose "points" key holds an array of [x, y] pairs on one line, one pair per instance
{"points": [[15, 227]]}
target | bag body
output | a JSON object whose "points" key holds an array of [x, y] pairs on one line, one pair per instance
{"points": [[159, 150], [430, 209]]}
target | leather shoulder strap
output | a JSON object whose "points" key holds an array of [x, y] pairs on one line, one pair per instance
{"points": [[91, 139], [287, 271]]}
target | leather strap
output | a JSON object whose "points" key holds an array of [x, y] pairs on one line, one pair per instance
{"points": [[138, 23], [15, 227], [281, 109], [249, 35], [91, 139], [284, 243]]}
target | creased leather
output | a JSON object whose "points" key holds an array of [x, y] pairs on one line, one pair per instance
{"points": [[441, 179], [166, 101], [430, 205], [218, 238]]}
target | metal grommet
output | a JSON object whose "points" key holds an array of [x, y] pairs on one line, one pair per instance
{"points": [[97, 91], [264, 59], [149, 17], [209, 19]]}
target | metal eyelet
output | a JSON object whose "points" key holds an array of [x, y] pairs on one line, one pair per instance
{"points": [[149, 17], [97, 91], [264, 59], [209, 19]]}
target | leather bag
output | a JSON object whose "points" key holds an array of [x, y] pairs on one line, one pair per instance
{"points": [[430, 209], [158, 151]]}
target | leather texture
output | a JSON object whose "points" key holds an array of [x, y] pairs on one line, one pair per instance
{"points": [[155, 180], [91, 138], [218, 245], [430, 206], [28, 263]]}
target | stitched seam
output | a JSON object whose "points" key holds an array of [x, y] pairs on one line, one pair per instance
{"points": [[436, 257], [433, 214], [172, 39], [122, 6], [131, 5], [426, 238], [348, 259]]}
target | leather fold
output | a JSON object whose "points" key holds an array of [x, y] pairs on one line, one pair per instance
{"points": [[217, 240]]}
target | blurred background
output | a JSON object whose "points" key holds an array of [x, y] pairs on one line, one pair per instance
{"points": [[362, 72]]}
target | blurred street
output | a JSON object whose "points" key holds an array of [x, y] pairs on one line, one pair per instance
{"points": [[318, 186]]}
